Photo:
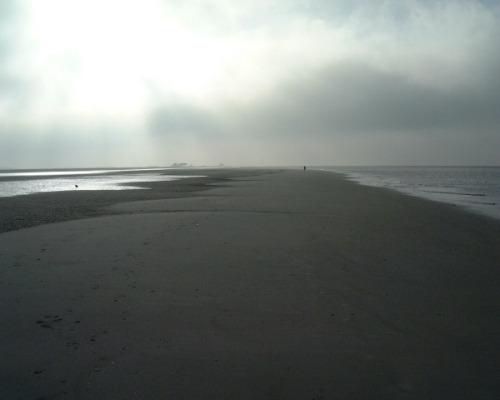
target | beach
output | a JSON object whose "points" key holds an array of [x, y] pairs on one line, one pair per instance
{"points": [[248, 284]]}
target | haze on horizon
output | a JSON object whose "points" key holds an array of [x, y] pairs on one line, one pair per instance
{"points": [[316, 82]]}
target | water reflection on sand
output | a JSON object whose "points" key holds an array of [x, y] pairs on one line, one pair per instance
{"points": [[54, 181]]}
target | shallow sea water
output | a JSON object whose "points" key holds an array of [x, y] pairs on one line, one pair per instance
{"points": [[14, 183], [475, 188]]}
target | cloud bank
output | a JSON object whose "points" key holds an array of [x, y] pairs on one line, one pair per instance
{"points": [[92, 84]]}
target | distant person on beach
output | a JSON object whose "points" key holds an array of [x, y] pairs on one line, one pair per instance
{"points": [[304, 167]]}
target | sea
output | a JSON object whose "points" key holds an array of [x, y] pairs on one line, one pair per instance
{"points": [[477, 189], [24, 182]]}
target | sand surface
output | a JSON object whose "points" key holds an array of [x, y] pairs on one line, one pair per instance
{"points": [[281, 284]]}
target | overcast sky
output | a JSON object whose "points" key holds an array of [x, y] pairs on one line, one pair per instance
{"points": [[100, 83]]}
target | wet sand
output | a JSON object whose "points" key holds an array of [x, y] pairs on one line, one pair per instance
{"points": [[283, 284]]}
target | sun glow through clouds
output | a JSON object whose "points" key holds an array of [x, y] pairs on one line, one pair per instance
{"points": [[113, 51], [113, 82]]}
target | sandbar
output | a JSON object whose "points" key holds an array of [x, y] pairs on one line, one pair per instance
{"points": [[255, 284]]}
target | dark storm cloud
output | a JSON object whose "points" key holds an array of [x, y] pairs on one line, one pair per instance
{"points": [[357, 98], [352, 98]]}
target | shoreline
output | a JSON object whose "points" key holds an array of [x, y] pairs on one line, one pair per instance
{"points": [[481, 200], [35, 209], [24, 211], [284, 284]]}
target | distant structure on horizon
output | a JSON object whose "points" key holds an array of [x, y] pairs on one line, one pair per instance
{"points": [[177, 165]]}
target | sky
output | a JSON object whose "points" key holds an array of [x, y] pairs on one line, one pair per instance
{"points": [[125, 83]]}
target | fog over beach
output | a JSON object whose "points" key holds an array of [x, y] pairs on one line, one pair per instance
{"points": [[249, 200]]}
